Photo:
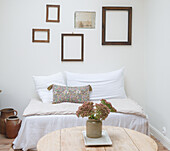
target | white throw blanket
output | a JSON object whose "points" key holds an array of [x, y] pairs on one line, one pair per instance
{"points": [[35, 107]]}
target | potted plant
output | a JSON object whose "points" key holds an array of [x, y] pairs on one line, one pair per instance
{"points": [[95, 113]]}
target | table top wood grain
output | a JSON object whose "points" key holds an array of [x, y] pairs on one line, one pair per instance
{"points": [[71, 139]]}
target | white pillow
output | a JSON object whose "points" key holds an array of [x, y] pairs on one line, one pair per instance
{"points": [[104, 85], [43, 82]]}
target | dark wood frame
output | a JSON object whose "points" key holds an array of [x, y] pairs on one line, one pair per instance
{"points": [[129, 41], [82, 47], [47, 13], [43, 30]]}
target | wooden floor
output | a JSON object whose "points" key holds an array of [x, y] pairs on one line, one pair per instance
{"points": [[5, 144], [160, 146]]}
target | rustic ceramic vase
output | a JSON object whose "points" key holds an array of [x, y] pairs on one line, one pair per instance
{"points": [[93, 128], [12, 126], [5, 113]]}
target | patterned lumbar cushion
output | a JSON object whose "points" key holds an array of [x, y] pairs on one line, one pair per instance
{"points": [[71, 94]]}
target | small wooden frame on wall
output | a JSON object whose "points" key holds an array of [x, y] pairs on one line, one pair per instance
{"points": [[53, 13], [116, 25], [72, 47], [41, 35]]}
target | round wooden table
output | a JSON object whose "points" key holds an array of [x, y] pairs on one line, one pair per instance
{"points": [[71, 139]]}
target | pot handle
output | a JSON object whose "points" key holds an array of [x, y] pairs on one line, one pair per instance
{"points": [[19, 122], [16, 113]]}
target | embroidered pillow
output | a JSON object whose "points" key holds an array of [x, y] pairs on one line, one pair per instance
{"points": [[71, 94]]}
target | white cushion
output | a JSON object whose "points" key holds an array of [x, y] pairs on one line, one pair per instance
{"points": [[43, 82], [104, 85]]}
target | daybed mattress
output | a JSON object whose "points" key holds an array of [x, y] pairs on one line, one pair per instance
{"points": [[41, 119], [34, 127]]}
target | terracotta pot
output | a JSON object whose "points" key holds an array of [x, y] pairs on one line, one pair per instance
{"points": [[93, 128], [12, 126], [4, 114]]}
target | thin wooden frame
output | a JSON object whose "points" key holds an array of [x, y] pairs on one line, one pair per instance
{"points": [[47, 13], [82, 47], [41, 30], [129, 38]]}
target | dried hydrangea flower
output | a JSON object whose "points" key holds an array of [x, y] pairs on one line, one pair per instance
{"points": [[102, 111], [109, 105], [98, 111], [87, 109]]}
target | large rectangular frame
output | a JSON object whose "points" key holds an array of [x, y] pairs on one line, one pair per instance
{"points": [[129, 38], [41, 30]]}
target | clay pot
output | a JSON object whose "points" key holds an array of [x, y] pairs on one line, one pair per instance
{"points": [[12, 126], [93, 128], [4, 114]]}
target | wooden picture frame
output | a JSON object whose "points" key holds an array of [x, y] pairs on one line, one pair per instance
{"points": [[125, 35], [57, 7], [47, 40], [68, 46]]}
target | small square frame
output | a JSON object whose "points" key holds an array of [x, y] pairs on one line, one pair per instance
{"points": [[41, 30], [47, 13], [129, 38], [82, 47]]}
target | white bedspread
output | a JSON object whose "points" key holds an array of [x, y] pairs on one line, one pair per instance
{"points": [[36, 107], [34, 127]]}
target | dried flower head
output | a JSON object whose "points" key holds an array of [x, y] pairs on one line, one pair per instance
{"points": [[98, 111], [109, 105], [102, 111], [87, 109]]}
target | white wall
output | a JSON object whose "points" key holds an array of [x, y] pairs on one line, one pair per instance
{"points": [[158, 63], [20, 59]]}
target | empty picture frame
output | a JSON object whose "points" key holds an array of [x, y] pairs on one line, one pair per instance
{"points": [[116, 25], [84, 19], [53, 13], [41, 35], [72, 47]]}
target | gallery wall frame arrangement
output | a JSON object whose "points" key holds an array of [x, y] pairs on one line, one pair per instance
{"points": [[116, 25], [72, 47], [84, 19], [41, 35], [53, 13]]}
